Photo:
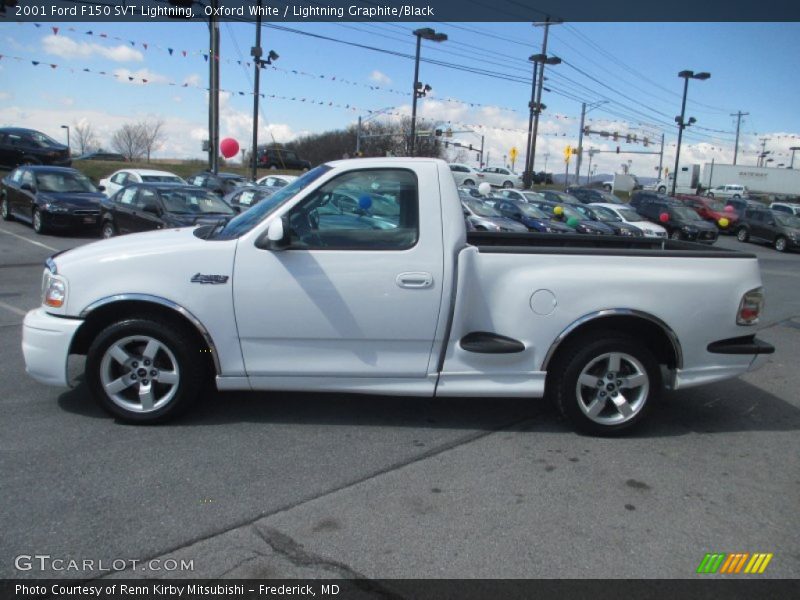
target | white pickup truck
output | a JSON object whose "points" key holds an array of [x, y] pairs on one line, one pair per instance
{"points": [[308, 290]]}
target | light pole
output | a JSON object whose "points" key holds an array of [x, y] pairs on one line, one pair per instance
{"points": [[418, 90], [681, 120], [69, 149], [538, 107], [585, 108], [527, 175], [361, 121], [793, 149], [256, 52]]}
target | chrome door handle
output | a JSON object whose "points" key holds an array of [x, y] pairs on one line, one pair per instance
{"points": [[414, 280]]}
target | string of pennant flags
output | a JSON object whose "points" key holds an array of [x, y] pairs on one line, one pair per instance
{"points": [[148, 46]]}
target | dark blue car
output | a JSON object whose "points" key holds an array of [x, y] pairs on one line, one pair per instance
{"points": [[50, 198], [530, 216]]}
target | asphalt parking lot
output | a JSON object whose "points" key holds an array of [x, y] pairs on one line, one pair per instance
{"points": [[291, 485]]}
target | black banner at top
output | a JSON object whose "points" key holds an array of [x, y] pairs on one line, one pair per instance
{"points": [[403, 10]]}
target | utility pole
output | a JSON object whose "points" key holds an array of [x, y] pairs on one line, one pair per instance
{"points": [[661, 157], [527, 175], [539, 85], [584, 109], [256, 54], [358, 137], [763, 151], [213, 104], [738, 115]]}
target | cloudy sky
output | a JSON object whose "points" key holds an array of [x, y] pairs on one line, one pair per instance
{"points": [[328, 74]]}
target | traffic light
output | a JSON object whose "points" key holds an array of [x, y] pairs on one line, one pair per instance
{"points": [[586, 130], [645, 141], [470, 146], [628, 138], [617, 149], [616, 137], [438, 133]]}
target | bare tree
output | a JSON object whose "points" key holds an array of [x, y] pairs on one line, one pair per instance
{"points": [[152, 133], [84, 136], [129, 141]]}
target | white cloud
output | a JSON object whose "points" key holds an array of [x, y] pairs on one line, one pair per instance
{"points": [[68, 48], [192, 80], [139, 77], [381, 78], [6, 96]]}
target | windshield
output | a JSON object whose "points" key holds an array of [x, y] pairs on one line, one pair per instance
{"points": [[64, 182], [45, 141], [629, 215], [609, 197], [533, 196], [570, 212], [531, 211], [604, 214], [684, 214], [191, 201], [715, 205], [162, 179], [481, 209], [243, 223], [787, 220]]}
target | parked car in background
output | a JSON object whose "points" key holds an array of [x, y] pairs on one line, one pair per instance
{"points": [[271, 157], [119, 179], [559, 196], [712, 210], [19, 146], [50, 198], [740, 205], [221, 184], [597, 213], [276, 181], [532, 217], [483, 217], [463, 174], [149, 206], [781, 230], [729, 190], [102, 155], [244, 197], [500, 177], [789, 208], [641, 197], [589, 195], [566, 214], [680, 221], [521, 196], [630, 216]]}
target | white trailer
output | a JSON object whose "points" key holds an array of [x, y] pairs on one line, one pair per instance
{"points": [[760, 180], [688, 181]]}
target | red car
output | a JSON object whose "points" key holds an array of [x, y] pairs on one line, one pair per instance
{"points": [[711, 210]]}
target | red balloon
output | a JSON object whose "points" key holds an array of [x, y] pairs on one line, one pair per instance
{"points": [[663, 217], [729, 208], [229, 147]]}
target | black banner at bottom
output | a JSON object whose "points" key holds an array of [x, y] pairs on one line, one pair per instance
{"points": [[408, 589]]}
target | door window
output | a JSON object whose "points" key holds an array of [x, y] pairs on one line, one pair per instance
{"points": [[127, 196], [120, 178], [376, 209]]}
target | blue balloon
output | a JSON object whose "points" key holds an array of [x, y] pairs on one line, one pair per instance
{"points": [[365, 202]]}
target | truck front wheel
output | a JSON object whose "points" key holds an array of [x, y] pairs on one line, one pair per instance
{"points": [[144, 370], [606, 384]]}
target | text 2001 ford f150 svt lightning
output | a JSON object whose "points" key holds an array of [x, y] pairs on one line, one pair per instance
{"points": [[360, 277]]}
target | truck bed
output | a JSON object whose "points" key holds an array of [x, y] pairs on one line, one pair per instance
{"points": [[560, 243]]}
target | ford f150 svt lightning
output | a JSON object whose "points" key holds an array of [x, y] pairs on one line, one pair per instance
{"points": [[390, 295]]}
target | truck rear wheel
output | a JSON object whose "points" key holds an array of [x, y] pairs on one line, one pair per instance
{"points": [[144, 370], [606, 385]]}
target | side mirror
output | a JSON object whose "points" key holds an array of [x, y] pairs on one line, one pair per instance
{"points": [[277, 235], [27, 187], [101, 188]]}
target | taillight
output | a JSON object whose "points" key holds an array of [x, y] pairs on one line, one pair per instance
{"points": [[750, 307]]}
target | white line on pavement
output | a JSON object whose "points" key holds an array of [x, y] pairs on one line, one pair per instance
{"points": [[14, 309], [16, 235]]}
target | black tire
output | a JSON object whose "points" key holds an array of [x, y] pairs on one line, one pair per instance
{"points": [[38, 222], [5, 209], [742, 234], [108, 230], [586, 351], [709, 194], [662, 190], [469, 183], [780, 244], [181, 348], [676, 234], [508, 184]]}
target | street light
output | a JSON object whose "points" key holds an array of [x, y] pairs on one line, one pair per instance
{"points": [[257, 52], [418, 90], [536, 108], [373, 114], [681, 120], [69, 149], [793, 149]]}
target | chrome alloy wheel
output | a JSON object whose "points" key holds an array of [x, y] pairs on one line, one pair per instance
{"points": [[612, 388], [139, 373]]}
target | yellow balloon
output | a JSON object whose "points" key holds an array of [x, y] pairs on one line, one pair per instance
{"points": [[723, 222], [558, 210]]}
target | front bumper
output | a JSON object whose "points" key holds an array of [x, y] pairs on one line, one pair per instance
{"points": [[46, 342], [72, 220]]}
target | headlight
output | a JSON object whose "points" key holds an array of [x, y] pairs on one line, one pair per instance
{"points": [[54, 290], [549, 230], [687, 229], [55, 208], [625, 232]]}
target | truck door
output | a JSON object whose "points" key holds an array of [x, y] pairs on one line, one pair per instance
{"points": [[354, 295]]}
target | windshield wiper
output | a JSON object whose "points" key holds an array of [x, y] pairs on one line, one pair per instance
{"points": [[218, 225]]}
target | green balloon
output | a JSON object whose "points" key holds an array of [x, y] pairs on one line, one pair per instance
{"points": [[573, 222]]}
